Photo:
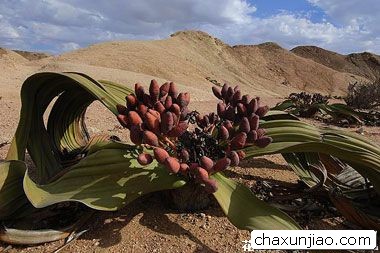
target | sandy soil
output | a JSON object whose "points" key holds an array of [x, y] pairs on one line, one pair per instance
{"points": [[148, 225]]}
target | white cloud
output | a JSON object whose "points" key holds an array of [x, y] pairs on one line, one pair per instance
{"points": [[363, 14], [290, 30], [6, 30], [61, 25], [70, 46]]}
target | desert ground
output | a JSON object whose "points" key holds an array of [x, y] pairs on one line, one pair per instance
{"points": [[188, 58]]}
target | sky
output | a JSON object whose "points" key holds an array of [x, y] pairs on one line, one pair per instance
{"points": [[56, 26]]}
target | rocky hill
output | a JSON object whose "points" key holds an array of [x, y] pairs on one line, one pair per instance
{"points": [[361, 64]]}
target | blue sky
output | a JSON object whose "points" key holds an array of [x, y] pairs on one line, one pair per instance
{"points": [[57, 26]]}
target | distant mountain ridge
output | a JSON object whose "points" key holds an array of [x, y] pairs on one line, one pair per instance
{"points": [[363, 64]]}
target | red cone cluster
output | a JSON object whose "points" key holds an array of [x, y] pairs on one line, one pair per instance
{"points": [[151, 117], [240, 115], [160, 119]]}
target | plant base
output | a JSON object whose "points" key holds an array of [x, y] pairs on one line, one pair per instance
{"points": [[190, 198]]}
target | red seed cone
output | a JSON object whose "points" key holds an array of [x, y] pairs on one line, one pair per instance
{"points": [[147, 100], [237, 88], [246, 99], [244, 125], [235, 160], [260, 132], [175, 109], [217, 92], [252, 136], [160, 154], [183, 99], [164, 89], [253, 105], [145, 159], [168, 102], [254, 122], [154, 90], [221, 164], [185, 156], [230, 93], [184, 113], [139, 91], [221, 108], [136, 134], [223, 133], [150, 138], [183, 168], [236, 98], [158, 106], [262, 110], [224, 91], [211, 186], [206, 163], [155, 113], [263, 141], [123, 120], [167, 122], [152, 122], [173, 91], [131, 101], [238, 142], [241, 109], [187, 98], [172, 164], [142, 109], [228, 124], [179, 129], [134, 118], [201, 174], [121, 109], [206, 120], [175, 118]]}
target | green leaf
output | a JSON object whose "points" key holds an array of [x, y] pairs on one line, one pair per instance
{"points": [[290, 136], [107, 179], [245, 210], [12, 198]]}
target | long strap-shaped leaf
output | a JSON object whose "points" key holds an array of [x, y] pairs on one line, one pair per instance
{"points": [[107, 179], [66, 132], [245, 210], [290, 136]]}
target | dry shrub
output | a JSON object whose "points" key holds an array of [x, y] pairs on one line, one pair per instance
{"points": [[363, 95]]}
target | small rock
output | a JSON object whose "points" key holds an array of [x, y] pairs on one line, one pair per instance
{"points": [[360, 131]]}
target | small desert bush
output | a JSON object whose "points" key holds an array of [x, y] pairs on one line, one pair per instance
{"points": [[363, 95]]}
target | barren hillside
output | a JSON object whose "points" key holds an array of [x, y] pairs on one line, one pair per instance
{"points": [[362, 64], [190, 56]]}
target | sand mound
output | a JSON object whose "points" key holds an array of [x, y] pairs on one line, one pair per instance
{"points": [[32, 56], [8, 58], [362, 64]]}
